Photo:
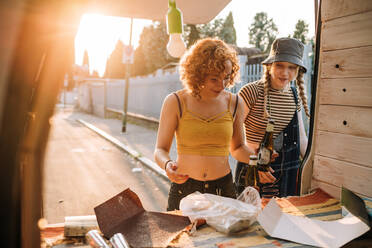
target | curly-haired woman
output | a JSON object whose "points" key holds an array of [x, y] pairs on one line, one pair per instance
{"points": [[207, 121]]}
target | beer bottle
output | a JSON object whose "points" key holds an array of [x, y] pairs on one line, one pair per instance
{"points": [[266, 147], [252, 173], [248, 175]]}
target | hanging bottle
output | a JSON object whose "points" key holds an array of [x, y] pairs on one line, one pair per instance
{"points": [[266, 147]]}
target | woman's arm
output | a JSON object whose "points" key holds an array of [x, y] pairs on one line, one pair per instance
{"points": [[238, 148], [303, 136], [167, 126]]}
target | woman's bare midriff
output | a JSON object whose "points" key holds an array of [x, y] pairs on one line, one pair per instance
{"points": [[203, 168]]}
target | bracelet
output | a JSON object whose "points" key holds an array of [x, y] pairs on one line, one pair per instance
{"points": [[166, 163]]}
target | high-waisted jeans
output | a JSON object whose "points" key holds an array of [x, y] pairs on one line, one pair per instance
{"points": [[223, 186]]}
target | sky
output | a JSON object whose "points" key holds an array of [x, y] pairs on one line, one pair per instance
{"points": [[99, 34]]}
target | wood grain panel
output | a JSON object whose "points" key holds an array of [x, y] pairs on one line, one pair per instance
{"points": [[330, 189], [355, 121], [336, 8], [346, 91], [339, 173], [354, 62], [344, 147], [347, 32]]}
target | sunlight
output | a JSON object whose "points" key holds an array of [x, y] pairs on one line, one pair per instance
{"points": [[98, 34]]}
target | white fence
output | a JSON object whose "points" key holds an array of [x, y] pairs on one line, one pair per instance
{"points": [[146, 94]]}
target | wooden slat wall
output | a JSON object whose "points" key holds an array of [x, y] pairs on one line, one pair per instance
{"points": [[343, 127], [338, 8]]}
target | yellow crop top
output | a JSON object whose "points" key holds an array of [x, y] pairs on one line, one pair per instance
{"points": [[196, 135]]}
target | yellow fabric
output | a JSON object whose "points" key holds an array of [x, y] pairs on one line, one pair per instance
{"points": [[196, 135]]}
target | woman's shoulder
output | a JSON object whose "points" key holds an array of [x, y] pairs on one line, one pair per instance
{"points": [[252, 89], [175, 94], [253, 86]]}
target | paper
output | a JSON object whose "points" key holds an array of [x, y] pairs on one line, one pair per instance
{"points": [[310, 231]]}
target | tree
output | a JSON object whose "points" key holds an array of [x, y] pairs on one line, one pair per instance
{"points": [[301, 31], [221, 28], [191, 34], [152, 53], [114, 65], [227, 32], [262, 32], [211, 29], [139, 59], [85, 65]]}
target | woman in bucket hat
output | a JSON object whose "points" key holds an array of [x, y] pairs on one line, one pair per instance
{"points": [[272, 97]]}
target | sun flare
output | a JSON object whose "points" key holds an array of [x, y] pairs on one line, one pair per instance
{"points": [[98, 35]]}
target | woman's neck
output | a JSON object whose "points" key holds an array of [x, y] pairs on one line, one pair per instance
{"points": [[281, 89]]}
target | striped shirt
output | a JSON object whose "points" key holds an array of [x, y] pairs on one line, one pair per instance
{"points": [[280, 105]]}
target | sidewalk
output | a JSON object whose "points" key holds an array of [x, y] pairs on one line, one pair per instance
{"points": [[139, 139]]}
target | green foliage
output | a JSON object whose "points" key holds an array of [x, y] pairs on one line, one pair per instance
{"points": [[139, 67], [191, 34], [114, 65], [151, 53], [262, 32], [228, 32], [301, 31], [221, 28], [211, 29]]}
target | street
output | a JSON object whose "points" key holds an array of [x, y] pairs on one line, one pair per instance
{"points": [[82, 170]]}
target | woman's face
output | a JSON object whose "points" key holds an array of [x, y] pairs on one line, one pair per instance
{"points": [[216, 83], [282, 73]]}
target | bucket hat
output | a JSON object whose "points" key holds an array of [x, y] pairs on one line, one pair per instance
{"points": [[286, 50]]}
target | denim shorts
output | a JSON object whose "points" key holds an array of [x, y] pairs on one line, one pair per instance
{"points": [[223, 186]]}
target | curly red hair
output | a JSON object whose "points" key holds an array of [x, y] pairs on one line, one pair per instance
{"points": [[205, 57]]}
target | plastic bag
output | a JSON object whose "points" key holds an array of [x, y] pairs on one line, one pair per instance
{"points": [[225, 214], [250, 195]]}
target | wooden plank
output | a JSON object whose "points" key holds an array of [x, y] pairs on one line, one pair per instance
{"points": [[346, 91], [336, 8], [347, 32], [354, 62], [355, 121], [344, 147], [330, 189], [354, 177]]}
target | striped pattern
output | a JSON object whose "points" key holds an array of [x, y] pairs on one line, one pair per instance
{"points": [[280, 105]]}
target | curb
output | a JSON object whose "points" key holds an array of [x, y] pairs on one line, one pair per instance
{"points": [[144, 160]]}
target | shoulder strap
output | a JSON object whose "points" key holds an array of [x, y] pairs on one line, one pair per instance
{"points": [[294, 90], [179, 103], [236, 105], [230, 94]]}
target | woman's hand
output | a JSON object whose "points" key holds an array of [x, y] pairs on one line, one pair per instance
{"points": [[274, 156], [266, 176], [171, 170]]}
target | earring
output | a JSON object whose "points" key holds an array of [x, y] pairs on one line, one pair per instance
{"points": [[202, 86]]}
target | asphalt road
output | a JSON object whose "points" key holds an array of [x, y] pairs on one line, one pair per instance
{"points": [[82, 170]]}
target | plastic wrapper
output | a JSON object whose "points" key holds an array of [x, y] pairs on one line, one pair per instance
{"points": [[225, 214], [250, 195]]}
